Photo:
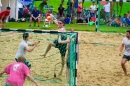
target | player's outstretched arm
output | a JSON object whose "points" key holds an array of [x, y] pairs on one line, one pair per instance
{"points": [[32, 79], [2, 73], [32, 44], [29, 49]]}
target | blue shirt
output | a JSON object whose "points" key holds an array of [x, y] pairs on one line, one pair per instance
{"points": [[35, 13]]}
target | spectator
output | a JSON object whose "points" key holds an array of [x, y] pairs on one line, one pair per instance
{"points": [[124, 20], [128, 13], [102, 14], [27, 12], [128, 20], [47, 18], [35, 16], [93, 9], [67, 19], [60, 11], [79, 10], [3, 16], [118, 21], [107, 11]]}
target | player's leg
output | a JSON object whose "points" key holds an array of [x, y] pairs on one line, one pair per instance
{"points": [[123, 61], [0, 23], [48, 48], [62, 64], [62, 52], [67, 67], [4, 22]]}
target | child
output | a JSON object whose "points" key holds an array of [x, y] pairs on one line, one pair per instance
{"points": [[17, 71], [48, 18]]}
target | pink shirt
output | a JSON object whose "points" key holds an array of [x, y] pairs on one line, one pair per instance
{"points": [[17, 73]]}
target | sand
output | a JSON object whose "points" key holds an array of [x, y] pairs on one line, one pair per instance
{"points": [[99, 63]]}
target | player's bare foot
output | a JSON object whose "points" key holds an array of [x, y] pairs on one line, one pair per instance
{"points": [[43, 55], [125, 74], [60, 74]]}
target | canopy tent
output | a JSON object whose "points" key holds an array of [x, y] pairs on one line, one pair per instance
{"points": [[0, 5]]}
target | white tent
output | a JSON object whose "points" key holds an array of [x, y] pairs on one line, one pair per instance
{"points": [[13, 5], [0, 5]]}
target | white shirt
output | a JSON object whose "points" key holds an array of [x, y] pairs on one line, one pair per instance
{"points": [[93, 7], [107, 7], [21, 49], [126, 42]]}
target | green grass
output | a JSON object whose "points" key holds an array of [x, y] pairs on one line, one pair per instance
{"points": [[125, 8], [76, 27], [24, 25]]}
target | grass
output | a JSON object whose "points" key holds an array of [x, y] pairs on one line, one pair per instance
{"points": [[24, 25], [76, 27]]}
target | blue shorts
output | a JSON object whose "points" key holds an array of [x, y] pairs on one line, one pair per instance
{"points": [[26, 62]]}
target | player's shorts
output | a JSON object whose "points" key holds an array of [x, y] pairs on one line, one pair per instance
{"points": [[126, 57], [62, 47], [26, 62]]}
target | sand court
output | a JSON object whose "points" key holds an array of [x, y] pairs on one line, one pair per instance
{"points": [[99, 63], [42, 68]]}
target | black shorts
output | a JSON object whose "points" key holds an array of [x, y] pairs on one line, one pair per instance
{"points": [[26, 62], [34, 20], [126, 57], [61, 47], [2, 19]]}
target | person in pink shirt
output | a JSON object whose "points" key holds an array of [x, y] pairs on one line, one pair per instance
{"points": [[17, 72]]}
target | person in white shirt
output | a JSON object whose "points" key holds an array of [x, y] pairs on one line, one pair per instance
{"points": [[126, 56], [93, 9], [107, 11], [23, 48]]}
